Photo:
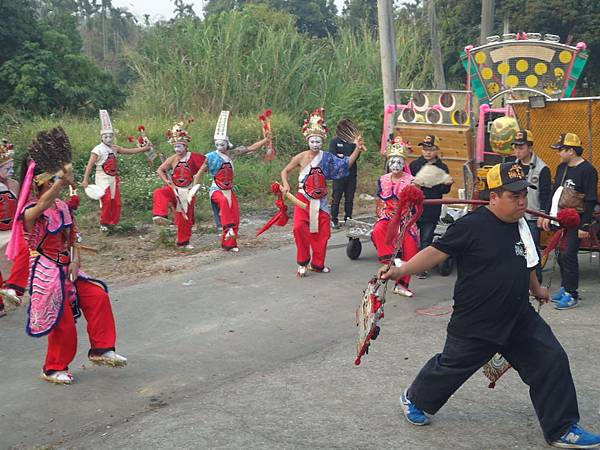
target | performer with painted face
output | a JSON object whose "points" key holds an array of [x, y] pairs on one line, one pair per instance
{"points": [[59, 290], [181, 174], [104, 157], [14, 286], [312, 227], [390, 186], [219, 164]]}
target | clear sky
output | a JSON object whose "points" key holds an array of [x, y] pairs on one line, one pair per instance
{"points": [[163, 9]]}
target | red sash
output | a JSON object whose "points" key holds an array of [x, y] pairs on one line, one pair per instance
{"points": [[224, 176], [315, 183]]}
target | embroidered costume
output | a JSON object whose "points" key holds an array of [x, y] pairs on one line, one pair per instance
{"points": [[389, 187], [179, 193], [14, 286], [59, 291]]}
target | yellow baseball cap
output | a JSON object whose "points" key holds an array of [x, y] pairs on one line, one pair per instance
{"points": [[523, 137], [509, 176], [567, 140]]}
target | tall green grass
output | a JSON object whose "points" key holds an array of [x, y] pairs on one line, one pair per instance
{"points": [[243, 61]]}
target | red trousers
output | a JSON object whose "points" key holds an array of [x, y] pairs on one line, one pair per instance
{"points": [[230, 218], [164, 199], [19, 274], [62, 340], [111, 207], [385, 251], [307, 241]]}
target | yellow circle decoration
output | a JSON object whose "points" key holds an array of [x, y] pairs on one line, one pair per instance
{"points": [[480, 58], [522, 65], [565, 56], [487, 73], [531, 81], [503, 68], [541, 68], [559, 72], [512, 81], [493, 88]]}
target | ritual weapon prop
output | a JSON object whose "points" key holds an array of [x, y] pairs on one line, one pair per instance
{"points": [[348, 132], [281, 218], [265, 119], [370, 310], [142, 140]]}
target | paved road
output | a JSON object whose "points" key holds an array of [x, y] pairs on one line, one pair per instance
{"points": [[248, 356]]}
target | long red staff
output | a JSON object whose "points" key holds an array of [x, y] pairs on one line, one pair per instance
{"points": [[265, 119], [370, 310]]}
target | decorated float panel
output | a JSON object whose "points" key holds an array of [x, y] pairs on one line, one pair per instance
{"points": [[444, 113]]}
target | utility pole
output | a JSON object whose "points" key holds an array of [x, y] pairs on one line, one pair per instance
{"points": [[487, 20], [436, 50], [385, 16]]}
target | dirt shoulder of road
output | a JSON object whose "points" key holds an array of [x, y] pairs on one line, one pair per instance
{"points": [[146, 250]]}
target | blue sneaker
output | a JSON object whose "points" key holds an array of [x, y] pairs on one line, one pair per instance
{"points": [[558, 295], [413, 414], [577, 437], [566, 302]]}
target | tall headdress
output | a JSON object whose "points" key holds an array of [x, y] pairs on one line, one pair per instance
{"points": [[7, 152], [397, 147], [177, 133], [105, 123], [221, 128], [314, 124]]}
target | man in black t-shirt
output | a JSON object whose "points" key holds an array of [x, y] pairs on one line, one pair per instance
{"points": [[496, 258], [578, 176], [431, 213], [538, 174], [343, 186]]}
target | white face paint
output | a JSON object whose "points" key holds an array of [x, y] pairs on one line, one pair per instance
{"points": [[180, 148], [7, 170], [315, 143], [107, 139], [221, 145], [396, 164]]}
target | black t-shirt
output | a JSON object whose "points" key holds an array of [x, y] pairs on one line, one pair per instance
{"points": [[583, 178], [342, 148], [492, 288]]}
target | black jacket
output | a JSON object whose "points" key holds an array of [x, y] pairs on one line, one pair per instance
{"points": [[431, 213]]}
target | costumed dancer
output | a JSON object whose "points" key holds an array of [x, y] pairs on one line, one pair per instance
{"points": [[104, 157], [389, 187], [181, 174], [219, 164], [312, 227], [59, 291], [14, 286]]}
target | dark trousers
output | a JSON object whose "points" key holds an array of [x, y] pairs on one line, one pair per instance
{"points": [[533, 351], [426, 233], [535, 234], [216, 213], [569, 264], [347, 187]]}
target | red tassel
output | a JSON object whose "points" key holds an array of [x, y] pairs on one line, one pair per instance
{"points": [[130, 138], [568, 218], [141, 128]]}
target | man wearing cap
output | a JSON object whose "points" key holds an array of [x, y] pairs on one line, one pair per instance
{"points": [[431, 213], [538, 174], [575, 186], [492, 314]]}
